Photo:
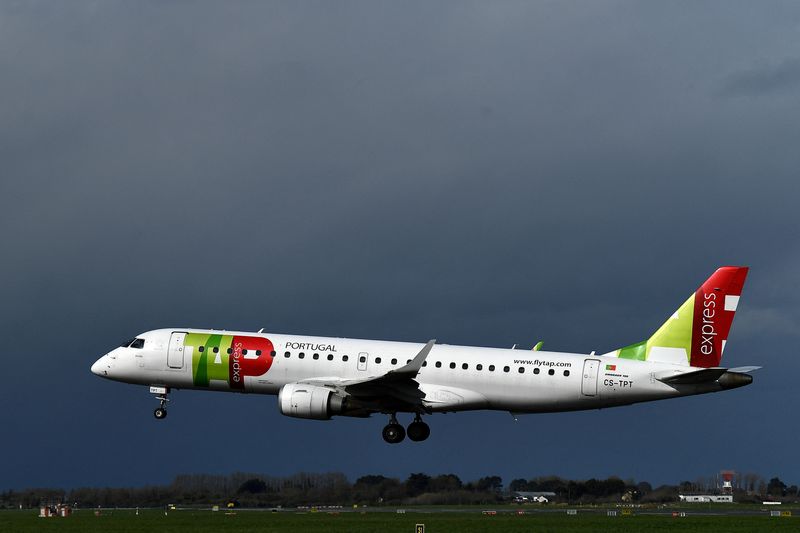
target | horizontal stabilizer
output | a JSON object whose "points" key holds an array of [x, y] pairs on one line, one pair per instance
{"points": [[692, 378], [744, 369]]}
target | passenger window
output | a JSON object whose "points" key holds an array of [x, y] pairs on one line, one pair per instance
{"points": [[301, 355], [199, 348], [424, 363], [345, 358], [438, 364], [316, 356], [408, 361], [491, 368], [258, 352], [465, 366], [536, 370], [330, 357], [229, 350], [394, 361], [287, 354], [137, 343], [566, 372], [506, 369], [452, 365], [377, 360], [215, 349], [272, 353], [244, 352], [478, 367], [362, 359], [521, 370], [551, 371]]}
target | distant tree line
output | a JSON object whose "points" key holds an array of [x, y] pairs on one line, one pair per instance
{"points": [[308, 489]]}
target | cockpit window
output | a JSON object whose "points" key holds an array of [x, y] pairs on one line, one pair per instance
{"points": [[127, 343], [137, 343]]}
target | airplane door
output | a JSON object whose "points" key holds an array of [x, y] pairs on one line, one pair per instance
{"points": [[589, 385], [363, 359], [175, 350]]}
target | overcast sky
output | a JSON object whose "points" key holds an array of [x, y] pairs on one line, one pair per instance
{"points": [[481, 173]]}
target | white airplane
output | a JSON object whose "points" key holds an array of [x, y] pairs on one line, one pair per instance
{"points": [[320, 377]]}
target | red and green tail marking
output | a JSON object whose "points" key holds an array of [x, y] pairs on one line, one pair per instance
{"points": [[697, 332]]}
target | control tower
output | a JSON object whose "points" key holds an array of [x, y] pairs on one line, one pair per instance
{"points": [[727, 481]]}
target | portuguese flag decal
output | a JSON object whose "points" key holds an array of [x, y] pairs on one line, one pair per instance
{"points": [[611, 367]]}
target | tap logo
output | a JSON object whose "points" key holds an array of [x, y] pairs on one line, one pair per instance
{"points": [[228, 359]]}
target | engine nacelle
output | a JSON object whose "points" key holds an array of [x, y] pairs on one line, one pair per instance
{"points": [[309, 401]]}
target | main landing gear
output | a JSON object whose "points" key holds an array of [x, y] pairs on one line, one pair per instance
{"points": [[161, 411], [418, 430], [394, 433]]}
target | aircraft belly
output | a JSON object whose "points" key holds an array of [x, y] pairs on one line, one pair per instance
{"points": [[542, 400], [439, 398]]}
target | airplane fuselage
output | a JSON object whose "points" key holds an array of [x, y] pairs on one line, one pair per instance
{"points": [[322, 377], [452, 378]]}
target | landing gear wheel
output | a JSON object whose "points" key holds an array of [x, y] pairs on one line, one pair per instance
{"points": [[418, 430], [161, 395], [394, 433]]}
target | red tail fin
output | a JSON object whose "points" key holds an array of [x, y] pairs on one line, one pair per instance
{"points": [[715, 304]]}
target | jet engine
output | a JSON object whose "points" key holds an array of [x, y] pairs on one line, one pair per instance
{"points": [[310, 401]]}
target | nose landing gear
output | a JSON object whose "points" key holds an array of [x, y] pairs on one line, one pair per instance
{"points": [[161, 411]]}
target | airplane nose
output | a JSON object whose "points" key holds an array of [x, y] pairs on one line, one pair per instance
{"points": [[99, 367]]}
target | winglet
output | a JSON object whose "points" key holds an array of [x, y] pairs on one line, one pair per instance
{"points": [[412, 369], [538, 346]]}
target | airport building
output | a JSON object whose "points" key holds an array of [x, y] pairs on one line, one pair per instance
{"points": [[724, 485], [706, 498]]}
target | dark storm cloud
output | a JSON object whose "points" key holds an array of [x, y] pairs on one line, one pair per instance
{"points": [[766, 79], [478, 173]]}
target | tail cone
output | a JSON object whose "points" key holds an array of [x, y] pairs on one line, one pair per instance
{"points": [[733, 380]]}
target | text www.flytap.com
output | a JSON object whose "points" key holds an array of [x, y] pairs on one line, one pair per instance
{"points": [[537, 362]]}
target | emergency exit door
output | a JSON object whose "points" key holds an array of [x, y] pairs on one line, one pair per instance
{"points": [[589, 385], [175, 350]]}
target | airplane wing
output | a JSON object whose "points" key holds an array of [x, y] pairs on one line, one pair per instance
{"points": [[393, 390]]}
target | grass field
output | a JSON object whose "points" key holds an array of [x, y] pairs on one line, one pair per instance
{"points": [[194, 521]]}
